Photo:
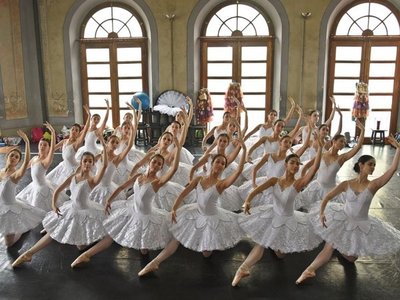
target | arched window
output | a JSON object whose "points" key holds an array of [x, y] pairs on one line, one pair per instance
{"points": [[114, 62], [237, 46], [365, 46]]}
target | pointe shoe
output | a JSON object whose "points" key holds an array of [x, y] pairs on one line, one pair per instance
{"points": [[26, 257], [82, 259], [242, 272], [207, 254], [304, 276], [144, 251], [150, 267]]}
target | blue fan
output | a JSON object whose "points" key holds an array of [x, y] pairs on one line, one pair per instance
{"points": [[143, 97]]}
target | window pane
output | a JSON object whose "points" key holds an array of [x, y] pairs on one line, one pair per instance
{"points": [[129, 54], [249, 30], [347, 69], [377, 101], [98, 70], [381, 70], [218, 85], [121, 14], [219, 53], [95, 85], [348, 53], [254, 53], [254, 85], [130, 85], [213, 27], [348, 124], [254, 101], [227, 12], [380, 86], [344, 25], [126, 70], [383, 53], [98, 100], [123, 99], [393, 25], [134, 28], [254, 69], [344, 101], [358, 11], [97, 55], [247, 12], [217, 119], [218, 101], [102, 14], [216, 69], [355, 30], [261, 26], [344, 86], [107, 26], [90, 29], [255, 117]]}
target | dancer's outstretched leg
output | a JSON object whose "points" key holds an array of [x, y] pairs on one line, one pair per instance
{"points": [[164, 254], [244, 270], [85, 256], [27, 256], [322, 258]]}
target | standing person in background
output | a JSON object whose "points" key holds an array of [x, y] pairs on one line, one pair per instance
{"points": [[16, 217]]}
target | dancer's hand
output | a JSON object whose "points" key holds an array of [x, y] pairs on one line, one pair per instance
{"points": [[173, 216], [391, 139], [323, 220], [56, 210], [246, 206], [107, 208]]}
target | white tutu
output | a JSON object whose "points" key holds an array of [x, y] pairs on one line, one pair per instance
{"points": [[167, 194], [81, 222], [278, 226], [136, 224], [203, 226], [356, 237]]}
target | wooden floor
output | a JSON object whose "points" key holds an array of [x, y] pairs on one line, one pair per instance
{"points": [[187, 275]]}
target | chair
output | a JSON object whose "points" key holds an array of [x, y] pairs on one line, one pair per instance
{"points": [[196, 134], [378, 137]]}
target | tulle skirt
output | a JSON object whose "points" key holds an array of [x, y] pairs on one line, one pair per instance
{"points": [[132, 229], [200, 232], [287, 234], [370, 237]]}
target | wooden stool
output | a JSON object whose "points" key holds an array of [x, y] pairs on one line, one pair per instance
{"points": [[141, 134], [378, 137]]}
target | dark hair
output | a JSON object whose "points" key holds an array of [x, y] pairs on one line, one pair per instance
{"points": [[226, 113], [125, 123], [322, 126], [219, 155], [273, 111], [284, 137], [15, 150], [95, 115], [167, 132], [313, 111], [337, 136], [362, 159], [77, 125], [158, 155], [176, 122], [113, 136], [87, 153], [291, 156], [223, 135], [279, 120], [45, 140]]}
